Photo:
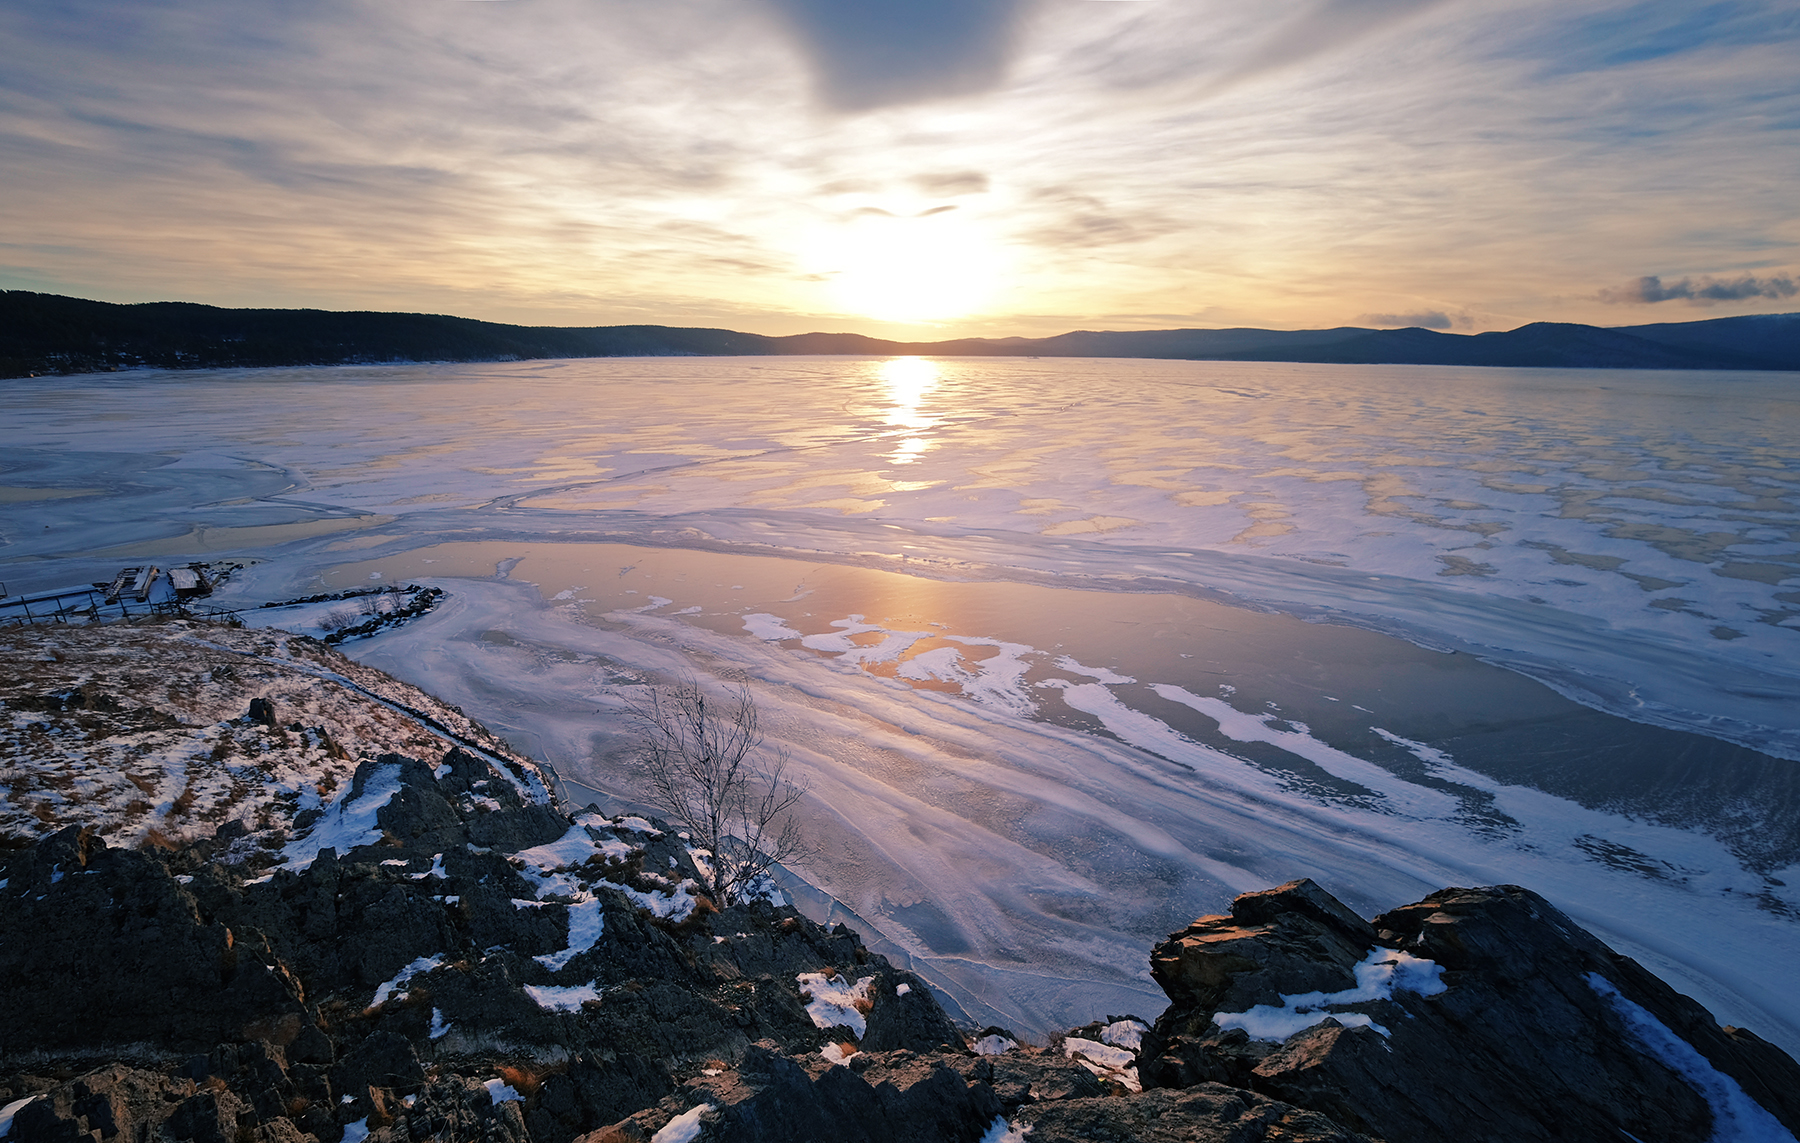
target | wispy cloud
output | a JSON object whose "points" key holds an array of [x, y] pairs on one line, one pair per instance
{"points": [[1704, 291], [1428, 319], [1327, 26]]}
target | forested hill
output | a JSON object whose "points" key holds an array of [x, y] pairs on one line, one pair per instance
{"points": [[51, 334]]}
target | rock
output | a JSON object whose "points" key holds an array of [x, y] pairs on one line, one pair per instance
{"points": [[382, 1060], [1208, 1113], [1517, 1044], [121, 954], [205, 1117], [456, 1108], [910, 1019], [895, 1097]]}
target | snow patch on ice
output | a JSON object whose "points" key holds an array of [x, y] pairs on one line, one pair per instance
{"points": [[765, 626]]}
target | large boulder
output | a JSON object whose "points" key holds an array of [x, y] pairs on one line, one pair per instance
{"points": [[1475, 1015]]}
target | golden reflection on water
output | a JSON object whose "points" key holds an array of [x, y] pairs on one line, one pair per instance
{"points": [[909, 380]]}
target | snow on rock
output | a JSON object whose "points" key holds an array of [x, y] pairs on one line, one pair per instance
{"points": [[144, 733], [1378, 976], [674, 905], [1000, 1131], [10, 1110], [993, 1045], [838, 1053], [350, 822], [558, 998], [499, 1091], [1736, 1117], [356, 1132], [1127, 1033], [422, 965], [684, 1128], [1104, 1060], [586, 922], [832, 1003], [572, 848]]}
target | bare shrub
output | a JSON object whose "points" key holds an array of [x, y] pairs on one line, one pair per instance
{"points": [[706, 772]]}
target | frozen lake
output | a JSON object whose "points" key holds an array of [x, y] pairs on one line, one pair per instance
{"points": [[1067, 651]]}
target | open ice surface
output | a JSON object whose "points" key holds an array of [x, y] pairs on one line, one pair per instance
{"points": [[1626, 537]]}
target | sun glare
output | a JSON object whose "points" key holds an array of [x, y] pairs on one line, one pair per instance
{"points": [[908, 380], [908, 269]]}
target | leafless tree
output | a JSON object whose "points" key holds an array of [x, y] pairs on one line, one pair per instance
{"points": [[706, 771]]}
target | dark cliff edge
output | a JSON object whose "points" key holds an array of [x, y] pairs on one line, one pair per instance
{"points": [[441, 953], [50, 334]]}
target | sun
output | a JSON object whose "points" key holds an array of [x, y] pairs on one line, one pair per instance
{"points": [[919, 268]]}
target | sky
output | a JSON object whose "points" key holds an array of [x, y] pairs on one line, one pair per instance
{"points": [[911, 168]]}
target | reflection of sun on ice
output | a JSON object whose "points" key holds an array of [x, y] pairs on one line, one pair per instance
{"points": [[908, 269], [908, 379]]}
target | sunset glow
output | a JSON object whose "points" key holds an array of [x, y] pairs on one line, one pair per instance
{"points": [[1024, 168]]}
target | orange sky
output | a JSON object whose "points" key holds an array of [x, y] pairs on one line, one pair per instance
{"points": [[926, 169]]}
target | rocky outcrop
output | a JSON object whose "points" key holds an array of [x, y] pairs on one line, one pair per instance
{"points": [[1473, 1015]]}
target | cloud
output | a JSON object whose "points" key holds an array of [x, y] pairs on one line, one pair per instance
{"points": [[1429, 319], [867, 54], [950, 183], [1328, 26], [1702, 291]]}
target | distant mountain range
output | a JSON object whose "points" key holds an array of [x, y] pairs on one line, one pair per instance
{"points": [[50, 334]]}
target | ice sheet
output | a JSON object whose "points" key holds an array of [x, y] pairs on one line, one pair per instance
{"points": [[1628, 537]]}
